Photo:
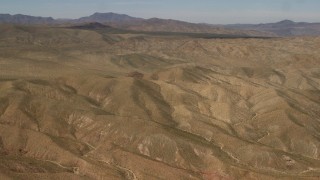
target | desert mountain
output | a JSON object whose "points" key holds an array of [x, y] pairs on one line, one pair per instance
{"points": [[91, 104], [108, 18], [169, 25], [161, 25], [282, 28], [131, 23], [25, 19]]}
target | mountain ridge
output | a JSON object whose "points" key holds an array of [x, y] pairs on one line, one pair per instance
{"points": [[282, 28], [25, 19], [123, 21], [107, 17]]}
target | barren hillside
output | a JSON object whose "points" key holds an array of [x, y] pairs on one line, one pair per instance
{"points": [[81, 104]]}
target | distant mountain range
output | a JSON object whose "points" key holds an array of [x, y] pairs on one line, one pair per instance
{"points": [[108, 18], [282, 28], [24, 19], [123, 21]]}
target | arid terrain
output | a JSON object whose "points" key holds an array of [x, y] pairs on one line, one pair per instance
{"points": [[79, 103]]}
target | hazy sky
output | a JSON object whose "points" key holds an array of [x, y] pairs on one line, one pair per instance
{"points": [[208, 11]]}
